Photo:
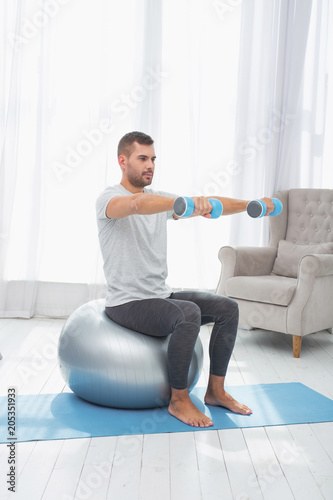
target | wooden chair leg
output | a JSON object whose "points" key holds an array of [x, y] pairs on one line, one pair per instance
{"points": [[297, 344]]}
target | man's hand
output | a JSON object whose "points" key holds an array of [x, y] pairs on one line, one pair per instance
{"points": [[202, 207], [269, 204]]}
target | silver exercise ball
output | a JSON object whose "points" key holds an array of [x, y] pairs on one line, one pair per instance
{"points": [[107, 364]]}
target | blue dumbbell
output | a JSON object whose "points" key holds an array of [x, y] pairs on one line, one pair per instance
{"points": [[183, 206], [257, 208]]}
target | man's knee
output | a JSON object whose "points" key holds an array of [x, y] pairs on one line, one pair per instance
{"points": [[192, 313], [228, 311], [234, 307]]}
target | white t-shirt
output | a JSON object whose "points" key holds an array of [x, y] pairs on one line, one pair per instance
{"points": [[134, 251]]}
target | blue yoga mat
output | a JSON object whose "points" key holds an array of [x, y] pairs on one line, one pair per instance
{"points": [[65, 416]]}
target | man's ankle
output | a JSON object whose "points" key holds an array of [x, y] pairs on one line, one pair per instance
{"points": [[179, 395]]}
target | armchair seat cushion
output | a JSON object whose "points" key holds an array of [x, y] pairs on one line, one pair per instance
{"points": [[270, 289]]}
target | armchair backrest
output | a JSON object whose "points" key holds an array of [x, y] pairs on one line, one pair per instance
{"points": [[307, 217]]}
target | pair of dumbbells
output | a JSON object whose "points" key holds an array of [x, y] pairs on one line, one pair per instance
{"points": [[184, 206]]}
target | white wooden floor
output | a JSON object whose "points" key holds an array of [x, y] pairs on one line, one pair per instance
{"points": [[287, 462]]}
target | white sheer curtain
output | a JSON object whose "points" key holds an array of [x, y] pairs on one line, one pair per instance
{"points": [[76, 75], [21, 195], [282, 105], [68, 74], [200, 54]]}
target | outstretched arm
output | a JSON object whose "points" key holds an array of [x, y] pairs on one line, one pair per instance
{"points": [[148, 203], [140, 203], [230, 205], [233, 206]]}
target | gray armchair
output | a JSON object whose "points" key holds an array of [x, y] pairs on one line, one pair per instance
{"points": [[286, 287]]}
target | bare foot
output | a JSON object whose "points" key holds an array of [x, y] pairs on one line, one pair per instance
{"points": [[183, 409], [222, 398]]}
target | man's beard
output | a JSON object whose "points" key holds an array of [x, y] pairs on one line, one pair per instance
{"points": [[138, 181]]}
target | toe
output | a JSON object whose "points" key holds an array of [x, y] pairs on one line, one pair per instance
{"points": [[208, 423]]}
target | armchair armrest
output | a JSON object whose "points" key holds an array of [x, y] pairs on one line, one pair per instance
{"points": [[244, 261], [312, 269], [315, 265]]}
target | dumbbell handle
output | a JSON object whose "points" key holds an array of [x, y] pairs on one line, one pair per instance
{"points": [[183, 206], [257, 208]]}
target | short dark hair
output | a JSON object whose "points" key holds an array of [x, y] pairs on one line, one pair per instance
{"points": [[125, 146]]}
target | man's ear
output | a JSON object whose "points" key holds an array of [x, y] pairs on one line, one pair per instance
{"points": [[122, 161]]}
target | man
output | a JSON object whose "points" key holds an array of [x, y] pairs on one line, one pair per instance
{"points": [[132, 232]]}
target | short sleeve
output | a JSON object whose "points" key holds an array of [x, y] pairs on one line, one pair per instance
{"points": [[103, 200]]}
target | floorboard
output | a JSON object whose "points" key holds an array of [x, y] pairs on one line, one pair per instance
{"points": [[293, 464], [184, 477], [242, 476]]}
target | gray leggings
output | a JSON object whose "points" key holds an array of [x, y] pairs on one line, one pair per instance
{"points": [[182, 314]]}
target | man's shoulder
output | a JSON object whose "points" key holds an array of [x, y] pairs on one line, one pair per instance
{"points": [[160, 192], [117, 188], [105, 196], [110, 192]]}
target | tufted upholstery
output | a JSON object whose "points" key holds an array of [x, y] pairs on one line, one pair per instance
{"points": [[295, 305], [310, 216]]}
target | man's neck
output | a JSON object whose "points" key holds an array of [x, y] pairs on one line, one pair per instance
{"points": [[132, 189]]}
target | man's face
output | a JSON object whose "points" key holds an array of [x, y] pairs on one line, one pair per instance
{"points": [[140, 165]]}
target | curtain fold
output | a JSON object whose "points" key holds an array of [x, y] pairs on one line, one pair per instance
{"points": [[281, 102], [149, 63], [12, 114]]}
